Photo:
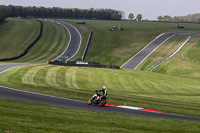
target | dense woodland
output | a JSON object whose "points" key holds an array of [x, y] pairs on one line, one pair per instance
{"points": [[56, 12], [3, 14], [189, 18]]}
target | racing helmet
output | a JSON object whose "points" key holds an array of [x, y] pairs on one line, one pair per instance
{"points": [[104, 87]]}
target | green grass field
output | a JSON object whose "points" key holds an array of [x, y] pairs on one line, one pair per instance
{"points": [[173, 87], [17, 36], [185, 63], [116, 47], [26, 117], [53, 42], [136, 88]]}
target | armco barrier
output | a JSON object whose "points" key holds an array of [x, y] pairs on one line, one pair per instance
{"points": [[87, 46], [83, 64], [29, 47]]}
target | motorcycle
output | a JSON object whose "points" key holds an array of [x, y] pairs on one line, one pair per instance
{"points": [[101, 100]]}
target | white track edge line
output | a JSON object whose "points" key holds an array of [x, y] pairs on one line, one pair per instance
{"points": [[129, 107], [68, 42], [153, 51], [142, 49]]}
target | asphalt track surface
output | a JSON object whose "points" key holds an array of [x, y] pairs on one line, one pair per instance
{"points": [[74, 42], [136, 60], [4, 67]]}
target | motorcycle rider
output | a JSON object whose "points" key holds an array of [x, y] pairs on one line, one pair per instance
{"points": [[104, 92]]}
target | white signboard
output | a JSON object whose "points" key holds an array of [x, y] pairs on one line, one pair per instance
{"points": [[85, 63]]}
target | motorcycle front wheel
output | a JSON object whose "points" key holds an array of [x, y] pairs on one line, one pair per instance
{"points": [[89, 102]]}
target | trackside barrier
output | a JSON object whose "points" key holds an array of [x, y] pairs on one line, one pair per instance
{"points": [[87, 46], [29, 47], [84, 64]]}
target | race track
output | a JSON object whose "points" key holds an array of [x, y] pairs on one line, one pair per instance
{"points": [[14, 94], [137, 59], [19, 95], [74, 42]]}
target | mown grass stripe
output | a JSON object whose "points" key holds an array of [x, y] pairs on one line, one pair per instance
{"points": [[28, 39], [70, 76], [52, 43], [50, 48], [61, 77], [51, 77], [41, 76], [14, 35], [17, 76], [30, 76]]}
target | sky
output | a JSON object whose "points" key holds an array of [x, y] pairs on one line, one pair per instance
{"points": [[150, 9]]}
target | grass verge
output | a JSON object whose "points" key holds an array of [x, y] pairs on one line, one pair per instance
{"points": [[30, 117], [185, 63]]}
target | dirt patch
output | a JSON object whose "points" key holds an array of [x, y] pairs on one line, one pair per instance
{"points": [[196, 75]]}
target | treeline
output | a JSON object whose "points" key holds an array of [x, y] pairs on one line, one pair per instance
{"points": [[56, 12], [189, 18], [3, 14]]}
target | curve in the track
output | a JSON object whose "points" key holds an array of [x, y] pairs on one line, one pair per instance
{"points": [[15, 94], [74, 43], [137, 59], [19, 95]]}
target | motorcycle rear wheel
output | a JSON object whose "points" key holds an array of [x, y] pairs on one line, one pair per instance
{"points": [[102, 102]]}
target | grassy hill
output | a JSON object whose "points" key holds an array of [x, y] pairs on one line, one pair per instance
{"points": [[116, 47], [53, 42], [173, 87], [185, 63], [136, 88], [17, 36]]}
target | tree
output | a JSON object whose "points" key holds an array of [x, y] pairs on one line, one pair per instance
{"points": [[2, 14], [160, 18], [115, 16], [167, 18], [139, 17], [131, 16], [57, 12]]}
